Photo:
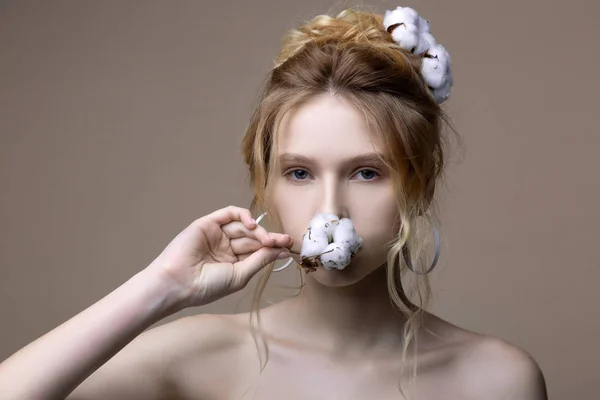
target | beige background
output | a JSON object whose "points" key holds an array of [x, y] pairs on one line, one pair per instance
{"points": [[120, 122]]}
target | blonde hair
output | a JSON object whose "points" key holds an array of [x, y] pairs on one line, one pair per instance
{"points": [[354, 56]]}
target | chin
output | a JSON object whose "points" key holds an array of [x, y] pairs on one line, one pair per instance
{"points": [[349, 276]]}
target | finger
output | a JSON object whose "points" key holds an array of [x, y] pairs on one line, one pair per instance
{"points": [[242, 257], [244, 245], [244, 270], [266, 238], [273, 239], [248, 220], [235, 230], [233, 213]]}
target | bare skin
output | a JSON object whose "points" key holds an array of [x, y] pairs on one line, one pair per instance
{"points": [[214, 357], [339, 339]]}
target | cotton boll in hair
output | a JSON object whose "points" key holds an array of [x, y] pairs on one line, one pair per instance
{"points": [[413, 34], [435, 70], [442, 54], [406, 36], [443, 92], [426, 42], [433, 73], [423, 25], [404, 15]]}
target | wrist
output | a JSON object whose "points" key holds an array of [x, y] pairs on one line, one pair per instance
{"points": [[162, 297]]}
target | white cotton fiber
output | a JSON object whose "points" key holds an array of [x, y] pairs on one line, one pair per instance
{"points": [[435, 69], [346, 234], [331, 240], [337, 256], [443, 92], [423, 25], [313, 243], [406, 36], [413, 34], [325, 222], [426, 42], [404, 15]]}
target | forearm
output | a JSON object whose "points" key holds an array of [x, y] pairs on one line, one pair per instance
{"points": [[56, 363]]}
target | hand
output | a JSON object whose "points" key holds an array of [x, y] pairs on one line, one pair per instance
{"points": [[217, 254]]}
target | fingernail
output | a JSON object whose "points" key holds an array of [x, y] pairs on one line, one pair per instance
{"points": [[283, 255]]}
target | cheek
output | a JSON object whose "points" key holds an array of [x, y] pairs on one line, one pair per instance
{"points": [[373, 211], [294, 210], [376, 220]]}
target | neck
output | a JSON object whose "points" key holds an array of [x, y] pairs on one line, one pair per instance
{"points": [[348, 319]]}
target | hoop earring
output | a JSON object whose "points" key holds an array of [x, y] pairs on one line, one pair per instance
{"points": [[436, 256], [289, 261]]}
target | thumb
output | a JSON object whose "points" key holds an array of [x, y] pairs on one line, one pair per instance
{"points": [[248, 267]]}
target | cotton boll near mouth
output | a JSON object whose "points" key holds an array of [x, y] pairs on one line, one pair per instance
{"points": [[329, 242]]}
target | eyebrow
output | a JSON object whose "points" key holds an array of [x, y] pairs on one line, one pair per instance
{"points": [[365, 158]]}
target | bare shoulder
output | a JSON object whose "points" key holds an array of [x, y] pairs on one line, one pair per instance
{"points": [[155, 364], [483, 367], [204, 349], [503, 370], [493, 368], [199, 337], [202, 332]]}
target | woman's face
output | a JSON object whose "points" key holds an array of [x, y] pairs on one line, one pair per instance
{"points": [[328, 163]]}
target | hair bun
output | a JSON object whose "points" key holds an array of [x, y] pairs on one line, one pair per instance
{"points": [[411, 32]]}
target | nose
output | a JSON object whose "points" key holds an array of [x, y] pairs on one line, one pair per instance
{"points": [[334, 199]]}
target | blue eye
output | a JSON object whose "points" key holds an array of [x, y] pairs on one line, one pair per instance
{"points": [[363, 175], [298, 174], [368, 174]]}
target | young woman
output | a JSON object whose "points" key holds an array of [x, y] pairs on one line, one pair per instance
{"points": [[349, 123]]}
